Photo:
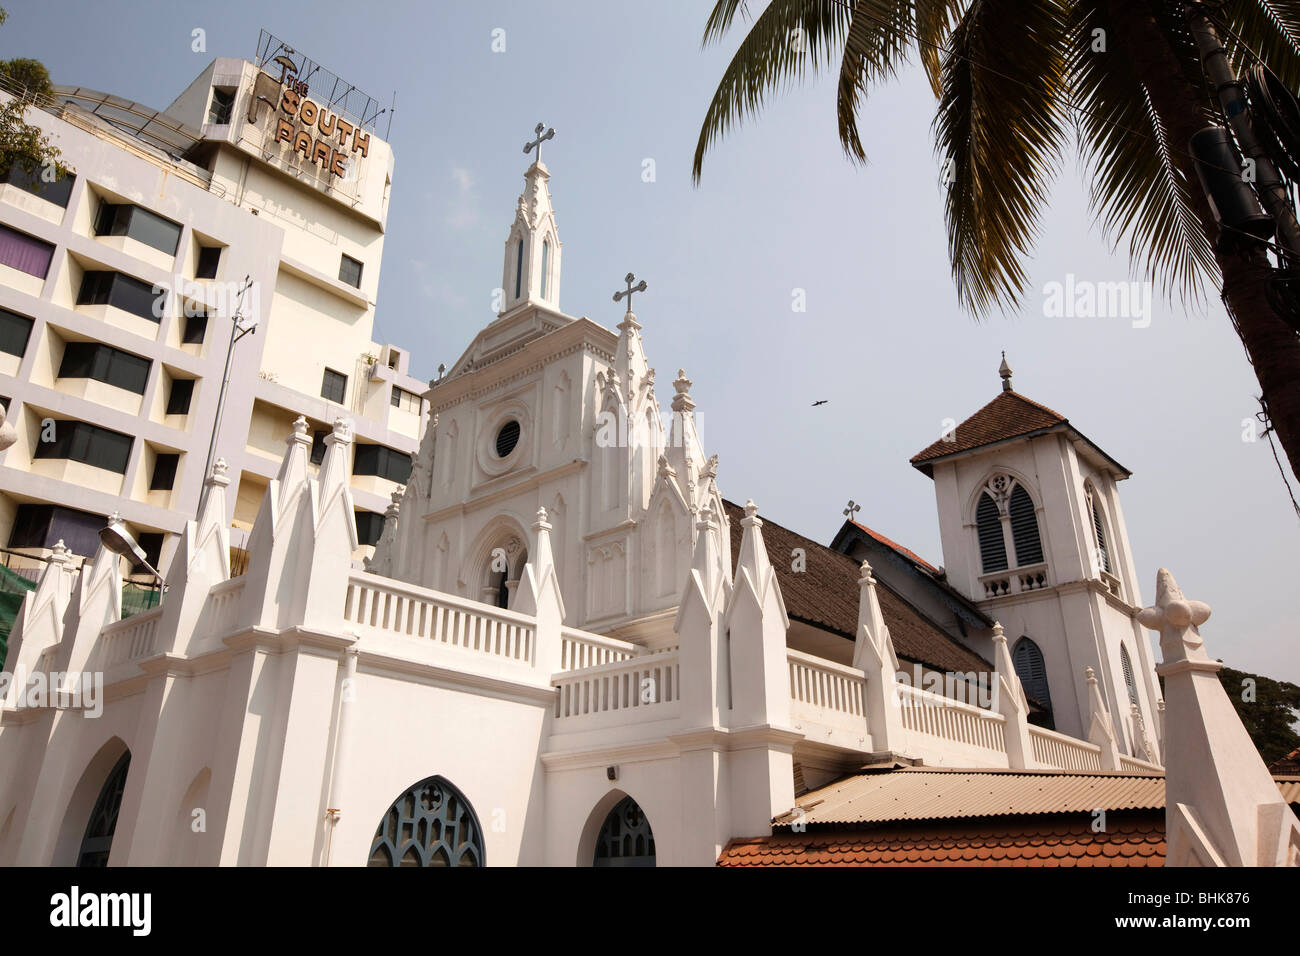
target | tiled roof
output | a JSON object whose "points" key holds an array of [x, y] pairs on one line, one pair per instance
{"points": [[1007, 416], [825, 594], [1128, 840], [910, 555], [1290, 764], [932, 794]]}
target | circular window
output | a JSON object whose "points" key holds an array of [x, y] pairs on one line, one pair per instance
{"points": [[507, 438]]}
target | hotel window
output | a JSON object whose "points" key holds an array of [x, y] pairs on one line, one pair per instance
{"points": [[25, 253], [164, 472], [407, 401], [223, 105], [196, 327], [151, 543], [122, 292], [88, 444], [370, 525], [318, 446], [209, 259], [383, 463], [350, 271], [15, 332], [105, 364], [334, 386], [57, 192], [178, 400], [42, 526], [123, 219]]}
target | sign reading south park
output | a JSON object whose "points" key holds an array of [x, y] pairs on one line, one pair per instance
{"points": [[322, 136]]}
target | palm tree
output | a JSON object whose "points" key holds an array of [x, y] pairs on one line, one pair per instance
{"points": [[1020, 82]]}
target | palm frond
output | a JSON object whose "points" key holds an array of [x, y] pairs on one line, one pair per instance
{"points": [[793, 37], [934, 23], [1268, 30], [1141, 181], [1000, 130]]}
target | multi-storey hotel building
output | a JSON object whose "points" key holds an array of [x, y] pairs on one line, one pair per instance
{"points": [[256, 201]]}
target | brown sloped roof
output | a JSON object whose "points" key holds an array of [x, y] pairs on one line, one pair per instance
{"points": [[1007, 416], [1132, 840], [826, 596], [890, 543], [1290, 764]]}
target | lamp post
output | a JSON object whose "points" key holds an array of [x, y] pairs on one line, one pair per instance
{"points": [[120, 541], [239, 327]]}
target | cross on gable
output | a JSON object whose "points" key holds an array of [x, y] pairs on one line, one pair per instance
{"points": [[541, 138], [627, 293]]}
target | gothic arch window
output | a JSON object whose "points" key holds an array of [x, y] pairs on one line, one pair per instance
{"points": [[1032, 671], [431, 824], [1126, 666], [993, 549], [519, 267], [502, 569], [98, 841], [625, 839], [546, 261], [1099, 530], [1024, 528]]}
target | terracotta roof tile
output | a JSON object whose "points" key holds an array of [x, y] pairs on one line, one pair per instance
{"points": [[1007, 416], [905, 552], [1128, 840], [825, 594], [1288, 765]]}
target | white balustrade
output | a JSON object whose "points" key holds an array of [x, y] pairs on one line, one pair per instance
{"points": [[1064, 753], [130, 640], [644, 685], [925, 712], [580, 649], [383, 605], [821, 688], [223, 606]]}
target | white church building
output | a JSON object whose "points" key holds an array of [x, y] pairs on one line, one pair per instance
{"points": [[570, 649]]}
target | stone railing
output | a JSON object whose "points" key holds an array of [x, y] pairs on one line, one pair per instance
{"points": [[925, 712], [1064, 753], [1142, 766], [580, 649], [386, 606], [642, 688], [130, 640], [823, 691], [222, 612]]}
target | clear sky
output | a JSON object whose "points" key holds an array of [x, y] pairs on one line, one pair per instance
{"points": [[780, 209]]}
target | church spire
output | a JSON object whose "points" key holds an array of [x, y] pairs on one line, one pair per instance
{"points": [[1004, 372], [531, 270]]}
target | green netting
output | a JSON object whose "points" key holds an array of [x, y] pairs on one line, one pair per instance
{"points": [[14, 587]]}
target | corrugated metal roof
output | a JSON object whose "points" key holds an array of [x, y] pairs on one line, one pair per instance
{"points": [[930, 794]]}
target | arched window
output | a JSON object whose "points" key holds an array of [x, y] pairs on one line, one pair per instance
{"points": [[1099, 529], [98, 841], [519, 267], [431, 824], [993, 548], [1127, 666], [546, 258], [1024, 528], [625, 838], [1028, 662]]}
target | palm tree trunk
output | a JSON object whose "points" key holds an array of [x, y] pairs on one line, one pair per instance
{"points": [[1272, 346]]}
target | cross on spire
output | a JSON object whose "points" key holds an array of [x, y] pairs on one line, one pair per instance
{"points": [[537, 143], [627, 293]]}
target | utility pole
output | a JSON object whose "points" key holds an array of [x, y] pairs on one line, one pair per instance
{"points": [[1269, 187]]}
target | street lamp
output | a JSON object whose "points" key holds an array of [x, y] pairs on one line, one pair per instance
{"points": [[239, 327], [120, 541]]}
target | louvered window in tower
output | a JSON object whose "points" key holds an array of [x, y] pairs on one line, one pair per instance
{"points": [[1024, 528], [1103, 552], [993, 548], [1127, 666], [1028, 662]]}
